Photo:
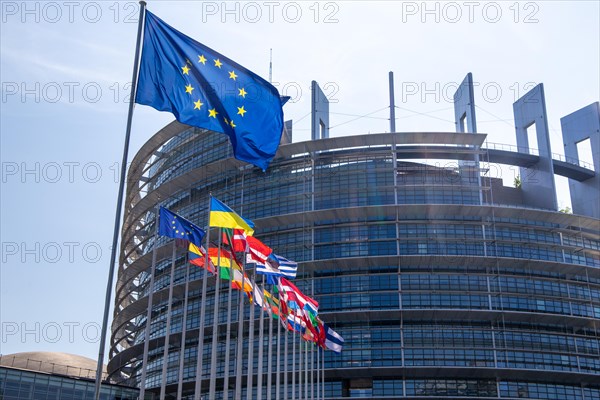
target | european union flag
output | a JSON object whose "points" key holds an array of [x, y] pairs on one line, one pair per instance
{"points": [[174, 226], [205, 89]]}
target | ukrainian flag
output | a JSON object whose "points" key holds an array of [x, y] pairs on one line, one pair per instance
{"points": [[224, 217]]}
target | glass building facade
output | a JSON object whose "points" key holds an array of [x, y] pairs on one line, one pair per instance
{"points": [[17, 384], [443, 283]]}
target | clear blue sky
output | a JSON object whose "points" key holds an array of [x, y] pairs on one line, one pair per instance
{"points": [[65, 69]]}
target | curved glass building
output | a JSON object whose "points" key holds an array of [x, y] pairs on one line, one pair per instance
{"points": [[443, 282]]}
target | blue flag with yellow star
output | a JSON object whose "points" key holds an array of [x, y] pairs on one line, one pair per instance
{"points": [[174, 226], [207, 90]]}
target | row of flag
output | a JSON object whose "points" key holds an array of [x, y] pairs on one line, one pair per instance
{"points": [[295, 310]]}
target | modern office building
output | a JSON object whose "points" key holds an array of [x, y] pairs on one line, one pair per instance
{"points": [[54, 376], [443, 282]]}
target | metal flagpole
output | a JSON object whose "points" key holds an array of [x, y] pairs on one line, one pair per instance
{"points": [[278, 375], [239, 363], [228, 333], [293, 367], [312, 371], [183, 330], [115, 242], [251, 343], [240, 337], [323, 373], [163, 381], [215, 327], [200, 352], [149, 311], [285, 357], [318, 380], [300, 368], [312, 349], [306, 370], [261, 327], [270, 352]]}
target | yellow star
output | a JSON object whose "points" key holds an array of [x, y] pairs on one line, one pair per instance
{"points": [[202, 59], [232, 75], [186, 70], [212, 113], [198, 105], [188, 89], [241, 111], [242, 93], [218, 63], [226, 121], [232, 124]]}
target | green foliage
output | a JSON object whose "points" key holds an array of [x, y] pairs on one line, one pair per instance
{"points": [[517, 182]]}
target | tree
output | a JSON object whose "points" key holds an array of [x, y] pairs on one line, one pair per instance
{"points": [[517, 182]]}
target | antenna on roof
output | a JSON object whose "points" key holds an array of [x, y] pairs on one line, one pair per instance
{"points": [[271, 66]]}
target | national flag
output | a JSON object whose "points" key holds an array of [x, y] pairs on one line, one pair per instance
{"points": [[267, 268], [240, 279], [283, 309], [223, 259], [175, 226], [294, 298], [257, 296], [271, 273], [205, 89], [258, 250], [295, 323], [223, 216], [309, 335], [333, 340], [271, 303], [310, 323], [197, 256], [321, 334], [235, 239], [287, 267]]}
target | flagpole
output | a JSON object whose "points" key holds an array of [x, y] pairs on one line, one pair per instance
{"points": [[251, 343], [278, 376], [183, 329], [215, 328], [261, 328], [228, 331], [200, 352], [302, 368], [323, 373], [293, 367], [285, 353], [300, 365], [240, 338], [317, 378], [270, 353], [163, 383], [149, 310], [113, 255], [312, 351], [306, 369]]}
